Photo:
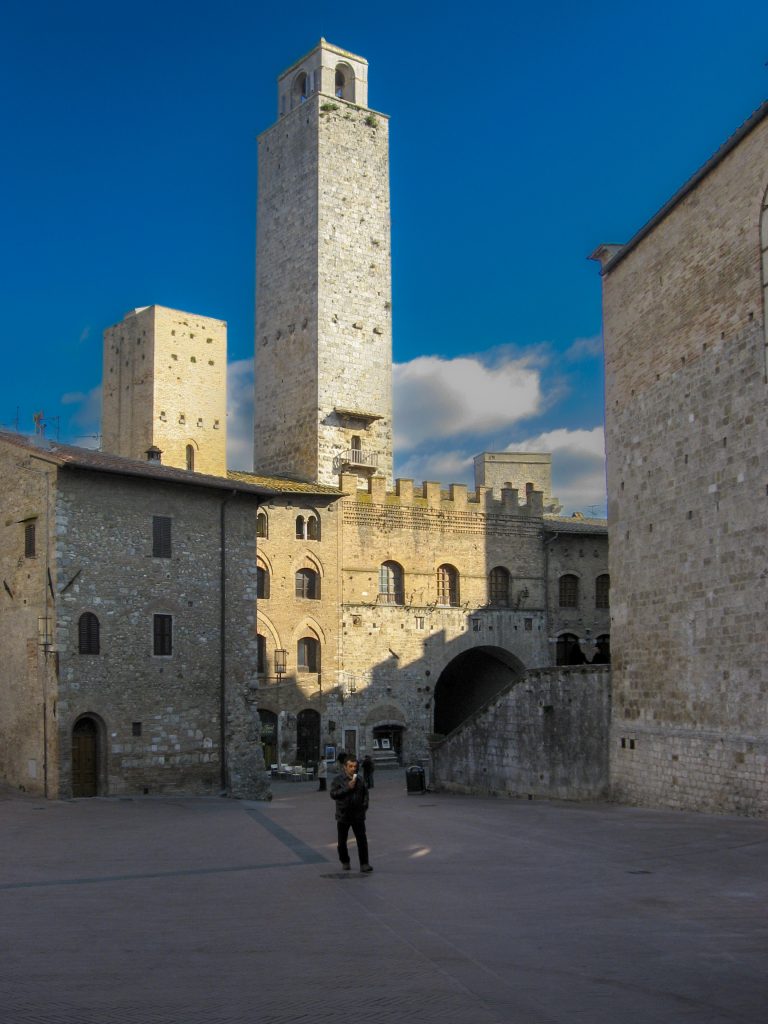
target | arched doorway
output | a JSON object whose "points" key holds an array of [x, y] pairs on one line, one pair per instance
{"points": [[308, 736], [470, 680], [85, 757], [269, 736], [388, 740]]}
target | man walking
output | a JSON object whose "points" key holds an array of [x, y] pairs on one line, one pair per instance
{"points": [[350, 794]]}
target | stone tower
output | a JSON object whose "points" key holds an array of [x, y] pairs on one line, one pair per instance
{"points": [[165, 387], [323, 290]]}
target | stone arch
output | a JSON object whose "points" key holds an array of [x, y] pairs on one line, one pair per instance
{"points": [[344, 82], [470, 680], [299, 89], [88, 754], [384, 714]]}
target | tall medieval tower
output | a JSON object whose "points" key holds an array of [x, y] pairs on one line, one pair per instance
{"points": [[323, 287]]}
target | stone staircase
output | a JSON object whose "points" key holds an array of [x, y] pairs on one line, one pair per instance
{"points": [[384, 760]]}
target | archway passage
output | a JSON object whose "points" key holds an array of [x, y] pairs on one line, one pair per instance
{"points": [[85, 758], [469, 681]]}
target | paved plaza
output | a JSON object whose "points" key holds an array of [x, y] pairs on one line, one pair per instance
{"points": [[479, 911]]}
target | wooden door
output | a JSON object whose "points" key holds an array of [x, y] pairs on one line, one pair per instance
{"points": [[350, 741], [85, 758]]}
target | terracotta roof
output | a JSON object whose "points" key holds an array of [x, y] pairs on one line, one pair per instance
{"points": [[283, 485], [67, 455], [571, 524]]}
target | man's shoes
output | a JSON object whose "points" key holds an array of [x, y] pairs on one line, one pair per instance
{"points": [[365, 868], [345, 866]]}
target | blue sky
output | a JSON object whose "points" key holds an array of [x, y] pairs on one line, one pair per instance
{"points": [[522, 137]]}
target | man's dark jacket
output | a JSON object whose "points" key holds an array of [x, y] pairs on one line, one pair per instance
{"points": [[351, 804]]}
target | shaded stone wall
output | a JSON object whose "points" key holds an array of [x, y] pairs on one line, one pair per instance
{"points": [[546, 736], [688, 492]]}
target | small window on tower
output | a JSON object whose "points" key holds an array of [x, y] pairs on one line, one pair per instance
{"points": [[190, 457]]}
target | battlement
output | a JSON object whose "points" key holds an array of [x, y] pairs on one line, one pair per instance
{"points": [[431, 495]]}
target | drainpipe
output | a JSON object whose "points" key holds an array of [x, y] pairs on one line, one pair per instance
{"points": [[224, 776]]}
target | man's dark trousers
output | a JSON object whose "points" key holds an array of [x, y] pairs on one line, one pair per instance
{"points": [[358, 828]]}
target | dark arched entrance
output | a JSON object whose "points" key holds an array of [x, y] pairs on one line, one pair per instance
{"points": [[85, 757], [469, 681], [308, 736]]}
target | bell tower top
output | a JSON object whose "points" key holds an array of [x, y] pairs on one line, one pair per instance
{"points": [[327, 70]]}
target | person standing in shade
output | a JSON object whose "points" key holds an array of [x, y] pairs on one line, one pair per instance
{"points": [[368, 769], [350, 795], [322, 774]]}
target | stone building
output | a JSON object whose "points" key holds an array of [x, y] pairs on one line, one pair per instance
{"points": [[685, 344], [176, 624], [408, 606], [128, 639]]}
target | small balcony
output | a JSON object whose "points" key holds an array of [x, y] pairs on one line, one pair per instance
{"points": [[358, 458]]}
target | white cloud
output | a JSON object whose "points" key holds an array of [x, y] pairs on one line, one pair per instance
{"points": [[240, 415], [85, 420], [585, 348], [439, 398], [578, 466]]}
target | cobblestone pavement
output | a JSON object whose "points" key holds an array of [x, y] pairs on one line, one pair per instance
{"points": [[479, 911]]}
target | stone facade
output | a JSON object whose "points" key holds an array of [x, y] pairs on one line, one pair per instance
{"points": [[685, 344], [156, 717], [323, 292], [393, 646], [165, 385], [544, 737]]}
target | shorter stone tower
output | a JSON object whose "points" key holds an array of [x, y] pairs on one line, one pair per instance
{"points": [[165, 388], [522, 471]]}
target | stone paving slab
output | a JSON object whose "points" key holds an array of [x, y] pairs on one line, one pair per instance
{"points": [[479, 911]]}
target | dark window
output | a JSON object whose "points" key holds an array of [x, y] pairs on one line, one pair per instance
{"points": [[603, 653], [569, 650], [190, 457], [447, 585], [569, 591], [88, 633], [261, 525], [299, 527], [29, 540], [307, 584], [161, 536], [498, 587], [391, 589], [602, 591], [262, 582], [308, 654], [261, 654], [313, 528], [163, 635], [135, 728]]}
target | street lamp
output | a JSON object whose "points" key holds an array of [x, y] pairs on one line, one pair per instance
{"points": [[281, 660]]}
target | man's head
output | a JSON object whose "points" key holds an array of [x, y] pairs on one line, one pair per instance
{"points": [[350, 766]]}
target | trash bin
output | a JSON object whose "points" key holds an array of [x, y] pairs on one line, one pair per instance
{"points": [[414, 779]]}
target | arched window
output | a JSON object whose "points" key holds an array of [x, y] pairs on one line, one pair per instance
{"points": [[190, 457], [262, 528], [447, 585], [300, 88], [602, 591], [261, 654], [344, 82], [88, 634], [313, 528], [308, 654], [569, 591], [262, 582], [569, 650], [300, 527], [391, 589], [603, 654], [498, 587], [308, 584]]}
